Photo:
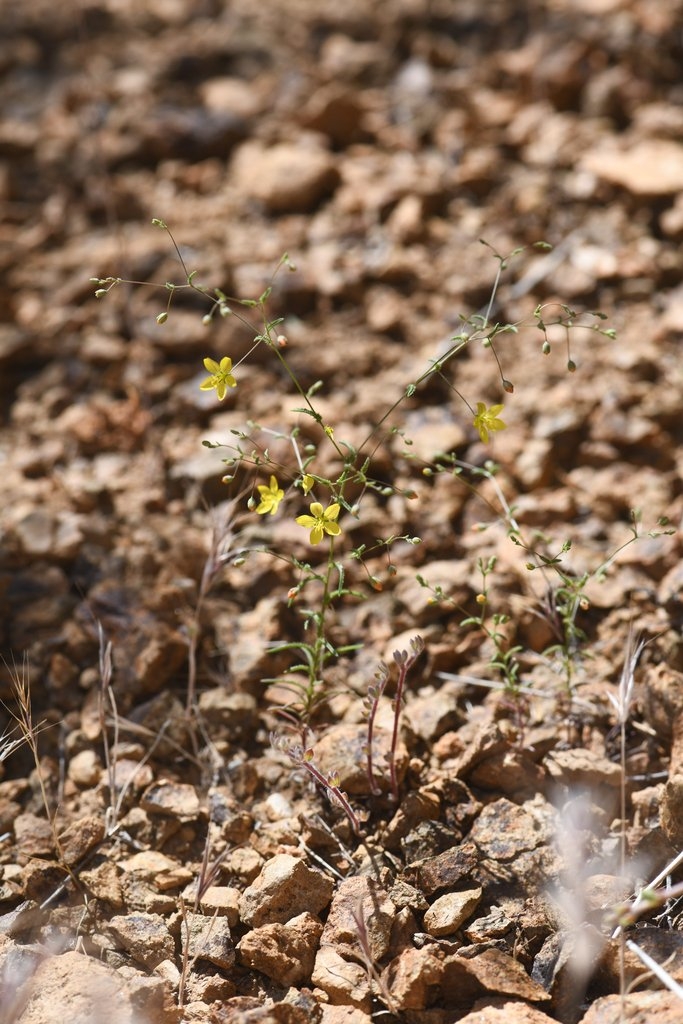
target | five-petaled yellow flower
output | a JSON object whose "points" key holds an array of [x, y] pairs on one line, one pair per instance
{"points": [[486, 420], [321, 521], [271, 496], [221, 378]]}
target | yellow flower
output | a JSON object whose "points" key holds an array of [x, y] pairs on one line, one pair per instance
{"points": [[221, 377], [321, 521], [487, 420], [307, 483], [271, 496]]}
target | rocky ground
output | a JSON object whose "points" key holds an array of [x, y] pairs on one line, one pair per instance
{"points": [[160, 859]]}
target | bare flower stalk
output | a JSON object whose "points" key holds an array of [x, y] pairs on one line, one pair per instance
{"points": [[405, 662], [107, 700], [371, 703]]}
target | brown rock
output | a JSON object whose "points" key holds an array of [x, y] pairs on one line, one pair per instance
{"points": [[343, 982], [449, 911], [33, 837], [80, 838], [177, 800], [102, 882], [641, 1008], [414, 978], [209, 939], [493, 925], [160, 658], [144, 936], [343, 1015], [359, 903], [84, 991], [24, 918], [285, 177], [417, 806], [497, 972], [163, 872], [85, 768], [508, 771], [653, 167], [504, 830], [285, 887], [232, 716], [222, 900], [284, 952], [446, 870], [499, 1010]]}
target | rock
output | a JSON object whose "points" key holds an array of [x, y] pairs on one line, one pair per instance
{"points": [[445, 871], [414, 978], [163, 872], [653, 167], [80, 838], [205, 986], [359, 904], [231, 716], [418, 806], [344, 1015], [85, 768], [509, 771], [431, 714], [84, 991], [343, 982], [434, 430], [258, 629], [641, 1008], [24, 918], [160, 658], [603, 892], [493, 925], [230, 94], [671, 810], [244, 864], [210, 940], [178, 800], [144, 936], [285, 887], [285, 177], [449, 911], [223, 901], [585, 770], [498, 972], [504, 830], [284, 952], [102, 883], [335, 112], [56, 536], [499, 1010], [33, 836], [564, 965]]}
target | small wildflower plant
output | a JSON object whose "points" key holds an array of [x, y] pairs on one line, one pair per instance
{"points": [[326, 504]]}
